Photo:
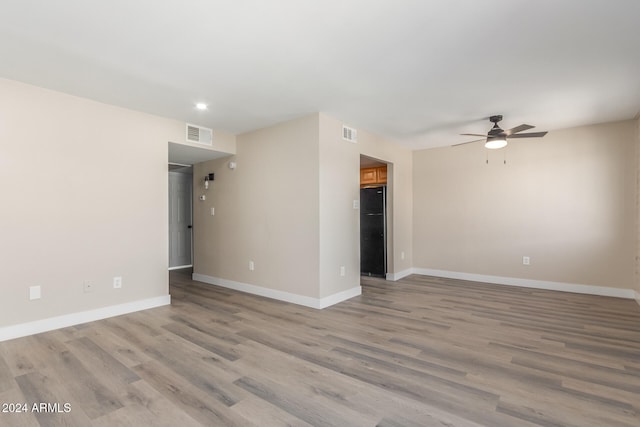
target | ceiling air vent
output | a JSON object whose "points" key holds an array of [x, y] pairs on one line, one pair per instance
{"points": [[199, 135], [349, 134]]}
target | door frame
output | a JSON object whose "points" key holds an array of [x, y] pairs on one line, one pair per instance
{"points": [[169, 172], [389, 213]]}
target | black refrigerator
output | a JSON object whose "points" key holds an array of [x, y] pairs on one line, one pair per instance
{"points": [[373, 241]]}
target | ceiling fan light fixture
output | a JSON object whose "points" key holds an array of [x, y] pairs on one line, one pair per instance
{"points": [[495, 143], [497, 138]]}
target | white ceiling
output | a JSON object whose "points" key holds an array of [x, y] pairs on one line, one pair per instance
{"points": [[419, 72]]}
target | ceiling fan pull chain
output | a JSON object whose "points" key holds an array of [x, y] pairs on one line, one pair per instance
{"points": [[487, 153], [505, 156]]}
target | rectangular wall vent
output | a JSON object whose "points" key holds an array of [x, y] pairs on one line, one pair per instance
{"points": [[349, 134], [199, 135]]}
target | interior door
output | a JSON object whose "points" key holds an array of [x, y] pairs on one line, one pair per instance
{"points": [[180, 202]]}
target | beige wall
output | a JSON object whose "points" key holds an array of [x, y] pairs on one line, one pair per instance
{"points": [[567, 201], [399, 198], [266, 210], [289, 208], [339, 221], [224, 141], [84, 198]]}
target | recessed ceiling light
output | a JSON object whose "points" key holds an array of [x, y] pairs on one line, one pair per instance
{"points": [[201, 106]]}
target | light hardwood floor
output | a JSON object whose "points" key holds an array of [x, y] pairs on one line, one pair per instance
{"points": [[423, 351]]}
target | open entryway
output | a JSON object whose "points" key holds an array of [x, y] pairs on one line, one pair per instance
{"points": [[181, 158], [373, 217], [180, 216]]}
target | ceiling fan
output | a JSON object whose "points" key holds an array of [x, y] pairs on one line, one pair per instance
{"points": [[497, 138]]}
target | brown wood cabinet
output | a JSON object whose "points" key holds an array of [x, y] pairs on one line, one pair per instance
{"points": [[382, 174], [368, 176], [373, 176]]}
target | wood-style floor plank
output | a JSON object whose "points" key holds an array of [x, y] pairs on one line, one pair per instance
{"points": [[423, 351]]}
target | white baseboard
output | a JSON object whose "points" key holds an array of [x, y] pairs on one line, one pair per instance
{"points": [[399, 275], [339, 297], [44, 325], [318, 303], [179, 267], [528, 283]]}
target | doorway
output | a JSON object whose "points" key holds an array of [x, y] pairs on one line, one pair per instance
{"points": [[373, 241], [180, 216], [373, 217]]}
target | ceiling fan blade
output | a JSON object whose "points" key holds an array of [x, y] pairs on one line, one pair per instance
{"points": [[529, 135], [469, 142], [517, 129], [473, 134]]}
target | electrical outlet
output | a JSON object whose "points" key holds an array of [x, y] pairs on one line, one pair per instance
{"points": [[343, 271], [252, 266], [526, 260], [402, 255], [117, 282], [213, 211], [87, 286]]}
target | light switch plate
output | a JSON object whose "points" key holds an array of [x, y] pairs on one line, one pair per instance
{"points": [[34, 292]]}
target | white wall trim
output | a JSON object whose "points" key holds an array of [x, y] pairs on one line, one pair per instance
{"points": [[178, 267], [340, 296], [311, 302], [528, 283], [66, 320], [400, 275]]}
